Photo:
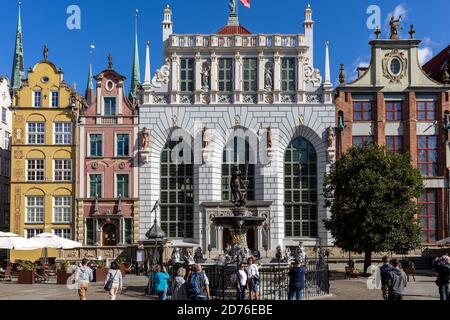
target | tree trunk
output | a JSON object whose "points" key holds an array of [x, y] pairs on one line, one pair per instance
{"points": [[367, 261]]}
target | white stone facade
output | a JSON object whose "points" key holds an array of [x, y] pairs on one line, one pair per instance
{"points": [[5, 153]]}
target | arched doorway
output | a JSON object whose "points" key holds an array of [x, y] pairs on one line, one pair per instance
{"points": [[109, 235]]}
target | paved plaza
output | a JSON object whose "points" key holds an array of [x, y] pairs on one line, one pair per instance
{"points": [[423, 288]]}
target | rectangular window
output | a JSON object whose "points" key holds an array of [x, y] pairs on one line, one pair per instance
{"points": [[427, 110], [63, 170], [427, 153], [394, 144], [30, 233], [225, 75], [4, 115], [110, 106], [123, 145], [288, 74], [362, 111], [63, 133], [36, 133], [250, 75], [55, 99], [63, 233], [35, 210], [359, 141], [96, 145], [128, 231], [62, 210], [122, 185], [35, 170], [90, 232], [37, 101], [95, 181], [187, 75], [393, 111], [7, 194], [7, 168], [428, 216], [7, 141]]}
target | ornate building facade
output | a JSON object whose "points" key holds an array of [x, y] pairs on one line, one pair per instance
{"points": [[5, 153], [236, 98], [394, 103]]}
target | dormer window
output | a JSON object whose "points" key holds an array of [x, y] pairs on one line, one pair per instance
{"points": [[55, 99], [37, 99], [110, 106]]}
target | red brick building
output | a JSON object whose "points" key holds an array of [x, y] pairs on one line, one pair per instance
{"points": [[438, 67], [395, 103]]}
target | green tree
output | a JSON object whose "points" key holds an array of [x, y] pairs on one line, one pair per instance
{"points": [[371, 195]]}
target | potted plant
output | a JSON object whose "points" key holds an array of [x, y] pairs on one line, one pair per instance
{"points": [[62, 275], [121, 263], [100, 271], [26, 272]]}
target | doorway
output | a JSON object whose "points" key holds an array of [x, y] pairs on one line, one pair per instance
{"points": [[109, 235]]}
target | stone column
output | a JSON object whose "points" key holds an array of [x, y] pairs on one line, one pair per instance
{"points": [[175, 63], [197, 72], [261, 75], [277, 76], [379, 116], [410, 137], [237, 77]]}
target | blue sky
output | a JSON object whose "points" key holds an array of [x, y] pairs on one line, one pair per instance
{"points": [[109, 25]]}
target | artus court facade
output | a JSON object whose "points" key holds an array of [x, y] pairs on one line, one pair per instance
{"points": [[228, 98]]}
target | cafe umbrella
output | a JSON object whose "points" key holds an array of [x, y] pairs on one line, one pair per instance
{"points": [[52, 241], [11, 241]]}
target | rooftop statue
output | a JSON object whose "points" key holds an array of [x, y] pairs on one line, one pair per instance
{"points": [[395, 25]]}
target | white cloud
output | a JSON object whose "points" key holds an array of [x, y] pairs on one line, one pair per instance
{"points": [[360, 62], [399, 10], [425, 54]]}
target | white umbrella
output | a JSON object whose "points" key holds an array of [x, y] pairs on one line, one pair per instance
{"points": [[49, 240], [12, 241], [443, 241]]}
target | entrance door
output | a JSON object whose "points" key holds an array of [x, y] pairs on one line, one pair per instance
{"points": [[251, 239], [109, 235]]}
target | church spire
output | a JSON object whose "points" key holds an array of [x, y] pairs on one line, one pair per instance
{"points": [[18, 63], [90, 86], [147, 64], [136, 73]]}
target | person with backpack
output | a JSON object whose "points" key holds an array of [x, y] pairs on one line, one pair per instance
{"points": [[198, 288], [443, 278], [384, 271], [241, 282], [83, 276], [296, 281], [253, 278], [113, 281], [396, 281], [160, 282]]}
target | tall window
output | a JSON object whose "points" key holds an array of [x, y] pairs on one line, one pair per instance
{"points": [[95, 185], [96, 145], [427, 153], [90, 232], [63, 233], [177, 195], [30, 233], [128, 231], [300, 190], [426, 110], [237, 153], [110, 106], [394, 144], [7, 168], [62, 209], [63, 170], [427, 216], [36, 170], [7, 194], [7, 141], [63, 132], [122, 185], [37, 99], [4, 115], [360, 141], [187, 75], [225, 75], [250, 75], [362, 111], [123, 145], [35, 210], [288, 74], [36, 133], [393, 110], [55, 99]]}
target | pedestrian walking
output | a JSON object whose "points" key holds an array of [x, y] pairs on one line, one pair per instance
{"points": [[443, 277], [83, 276], [384, 271], [160, 282], [114, 281], [241, 283], [396, 281], [180, 286], [198, 287], [253, 278], [296, 281]]}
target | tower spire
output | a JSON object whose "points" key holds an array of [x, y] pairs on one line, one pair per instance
{"points": [[90, 86], [147, 64], [327, 82], [136, 73], [18, 63]]}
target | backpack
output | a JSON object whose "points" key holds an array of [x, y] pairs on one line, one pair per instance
{"points": [[195, 285]]}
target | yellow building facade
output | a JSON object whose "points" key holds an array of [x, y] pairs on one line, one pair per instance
{"points": [[45, 112]]}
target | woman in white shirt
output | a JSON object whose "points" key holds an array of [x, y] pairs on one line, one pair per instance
{"points": [[241, 282], [115, 274], [253, 279]]}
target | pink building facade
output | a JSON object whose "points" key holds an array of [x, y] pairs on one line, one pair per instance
{"points": [[108, 166]]}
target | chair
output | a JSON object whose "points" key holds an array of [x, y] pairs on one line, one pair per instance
{"points": [[40, 275], [7, 274], [351, 272]]}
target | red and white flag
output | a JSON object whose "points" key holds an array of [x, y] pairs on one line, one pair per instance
{"points": [[246, 3]]}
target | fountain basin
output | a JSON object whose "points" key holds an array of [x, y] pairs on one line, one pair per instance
{"points": [[239, 223]]}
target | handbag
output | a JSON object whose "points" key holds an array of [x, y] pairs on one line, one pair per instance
{"points": [[109, 283]]}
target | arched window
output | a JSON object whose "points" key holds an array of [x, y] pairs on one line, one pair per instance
{"points": [[177, 195], [300, 189], [237, 151]]}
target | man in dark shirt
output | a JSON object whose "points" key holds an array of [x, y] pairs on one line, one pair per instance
{"points": [[384, 271], [296, 281], [396, 281]]}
